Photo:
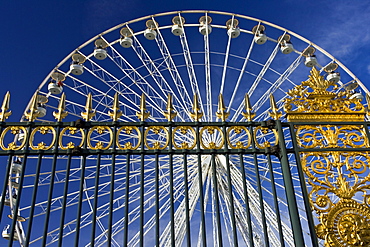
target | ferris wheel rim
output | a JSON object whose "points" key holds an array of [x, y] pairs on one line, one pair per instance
{"points": [[317, 47]]}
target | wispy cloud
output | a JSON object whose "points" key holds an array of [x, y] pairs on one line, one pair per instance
{"points": [[344, 29]]}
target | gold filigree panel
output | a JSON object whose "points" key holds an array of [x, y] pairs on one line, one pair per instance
{"points": [[331, 136], [131, 137], [339, 193]]}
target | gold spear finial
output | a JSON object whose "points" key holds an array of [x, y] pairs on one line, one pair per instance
{"points": [[368, 103], [248, 114], [4, 114], [274, 110], [222, 113], [116, 113], [196, 114], [142, 114], [33, 113], [89, 111], [61, 107], [169, 114]]}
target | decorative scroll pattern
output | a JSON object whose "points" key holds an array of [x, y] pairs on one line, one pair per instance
{"points": [[131, 137], [339, 191], [331, 136]]}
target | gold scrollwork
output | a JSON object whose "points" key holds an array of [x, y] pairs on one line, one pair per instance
{"points": [[72, 131], [210, 141], [331, 136], [43, 130], [235, 142], [156, 143], [128, 130], [15, 130], [262, 133], [186, 132], [100, 144]]}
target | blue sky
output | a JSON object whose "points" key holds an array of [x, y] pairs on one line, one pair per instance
{"points": [[35, 36]]}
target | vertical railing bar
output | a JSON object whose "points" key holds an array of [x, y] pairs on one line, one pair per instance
{"points": [[33, 200], [51, 188], [247, 209], [5, 185], [64, 204], [311, 223], [260, 197], [111, 197], [200, 180], [186, 194], [157, 206], [231, 198], [172, 206], [289, 188], [216, 198], [80, 193], [16, 206], [259, 187], [127, 190], [142, 166], [274, 194], [95, 205]]}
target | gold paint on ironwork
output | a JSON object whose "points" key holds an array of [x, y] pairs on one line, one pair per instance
{"points": [[211, 144], [101, 130], [169, 114], [275, 114], [4, 114], [248, 114], [61, 114], [143, 114], [222, 113], [115, 114], [368, 104], [15, 130], [88, 107], [235, 142], [339, 195], [162, 132], [331, 136], [71, 131], [196, 114], [338, 181], [128, 130], [42, 145], [315, 100], [33, 112], [264, 133], [187, 133]]}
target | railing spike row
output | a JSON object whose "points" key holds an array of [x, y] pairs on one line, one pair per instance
{"points": [[89, 111], [248, 114], [61, 114], [4, 114], [116, 113]]}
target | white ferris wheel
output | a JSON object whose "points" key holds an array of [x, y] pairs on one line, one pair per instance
{"points": [[182, 54]]}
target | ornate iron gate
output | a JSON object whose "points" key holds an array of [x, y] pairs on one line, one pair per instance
{"points": [[127, 177]]}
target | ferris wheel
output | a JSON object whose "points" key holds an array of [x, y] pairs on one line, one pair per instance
{"points": [[175, 54]]}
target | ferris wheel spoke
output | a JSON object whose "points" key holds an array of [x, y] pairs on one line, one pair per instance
{"points": [[190, 68], [175, 75]]}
